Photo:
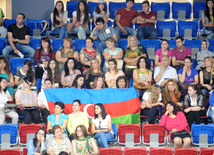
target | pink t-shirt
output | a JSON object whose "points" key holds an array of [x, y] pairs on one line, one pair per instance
{"points": [[181, 55], [110, 77], [159, 53]]}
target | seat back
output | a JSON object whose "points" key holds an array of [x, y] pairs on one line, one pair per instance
{"points": [[8, 22], [188, 34], [2, 44], [155, 7], [206, 151], [71, 7], [163, 25], [197, 9], [16, 151], [114, 128], [154, 140], [129, 140], [166, 33], [189, 151], [203, 140], [5, 140], [12, 130], [110, 151], [172, 44], [137, 151], [137, 6], [35, 24], [158, 151], [114, 6], [123, 44], [193, 25], [38, 84], [24, 151], [181, 15], [80, 43], [194, 52], [35, 43], [16, 62], [211, 44], [176, 7], [57, 43], [160, 15], [151, 53]]}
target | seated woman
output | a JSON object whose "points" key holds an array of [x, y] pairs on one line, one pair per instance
{"points": [[88, 53], [23, 72], [59, 144], [76, 118], [4, 98], [207, 76], [142, 76], [83, 144], [94, 72], [150, 102], [69, 73], [66, 52], [187, 76], [101, 11], [38, 144], [99, 82], [176, 123], [52, 72], [132, 54], [58, 118], [28, 102], [163, 51], [194, 105], [210, 111], [78, 82], [121, 82], [112, 52], [42, 56], [101, 125], [113, 73]]}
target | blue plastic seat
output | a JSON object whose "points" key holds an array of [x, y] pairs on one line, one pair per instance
{"points": [[35, 24], [197, 7], [114, 129], [193, 25], [38, 84], [123, 44], [35, 43], [131, 81], [11, 129], [80, 43], [71, 7], [57, 43], [114, 6], [2, 45], [8, 22], [161, 25], [194, 45], [155, 7], [16, 62], [172, 44], [137, 6], [211, 44], [194, 63], [176, 7], [154, 45]]}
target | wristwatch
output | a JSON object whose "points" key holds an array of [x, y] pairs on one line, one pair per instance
{"points": [[17, 40], [144, 19]]}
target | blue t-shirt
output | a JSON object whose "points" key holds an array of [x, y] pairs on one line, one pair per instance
{"points": [[191, 78], [51, 118]]}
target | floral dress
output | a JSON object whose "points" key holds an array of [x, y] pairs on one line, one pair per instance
{"points": [[81, 146]]}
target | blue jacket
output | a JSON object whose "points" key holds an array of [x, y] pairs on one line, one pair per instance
{"points": [[32, 150]]}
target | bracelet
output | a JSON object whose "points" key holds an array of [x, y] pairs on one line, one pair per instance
{"points": [[190, 108]]}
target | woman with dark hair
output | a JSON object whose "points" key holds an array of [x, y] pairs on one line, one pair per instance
{"points": [[76, 118], [121, 82], [69, 73], [23, 72], [101, 11], [28, 102], [101, 125], [52, 73], [142, 76], [78, 82], [88, 53], [38, 144], [42, 56], [113, 73], [207, 19], [58, 118], [81, 17], [176, 123], [83, 144], [99, 82]]}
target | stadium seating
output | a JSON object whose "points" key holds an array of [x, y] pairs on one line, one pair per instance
{"points": [[57, 43], [172, 44], [2, 45], [211, 44], [80, 43], [16, 62], [159, 151], [123, 44], [181, 11], [114, 129], [114, 6], [194, 45], [8, 22], [197, 8], [206, 151], [162, 10], [16, 151], [166, 29], [135, 151], [35, 43], [137, 6], [188, 29], [71, 7], [24, 151], [35, 24], [92, 6], [38, 84], [189, 151], [110, 151], [12, 130]]}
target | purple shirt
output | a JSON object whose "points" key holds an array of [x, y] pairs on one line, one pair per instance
{"points": [[181, 55]]}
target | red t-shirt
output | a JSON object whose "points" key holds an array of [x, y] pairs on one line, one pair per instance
{"points": [[147, 16], [126, 16]]}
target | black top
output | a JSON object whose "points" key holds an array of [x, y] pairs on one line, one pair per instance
{"points": [[207, 77], [89, 77], [19, 33]]}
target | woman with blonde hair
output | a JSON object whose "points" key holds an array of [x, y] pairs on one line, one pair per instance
{"points": [[99, 82]]}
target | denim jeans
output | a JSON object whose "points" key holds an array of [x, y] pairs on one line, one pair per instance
{"points": [[140, 93], [128, 29], [102, 46], [210, 34], [63, 33], [205, 91], [147, 30], [211, 115], [102, 138], [3, 32], [22, 48], [82, 31]]}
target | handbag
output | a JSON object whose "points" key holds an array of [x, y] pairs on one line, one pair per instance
{"points": [[183, 85], [183, 132], [44, 25], [29, 108], [142, 86], [119, 64]]}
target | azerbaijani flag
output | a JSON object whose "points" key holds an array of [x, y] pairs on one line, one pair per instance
{"points": [[123, 105]]}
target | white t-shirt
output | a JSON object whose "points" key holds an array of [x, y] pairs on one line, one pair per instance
{"points": [[82, 17], [103, 124], [42, 99], [4, 98], [147, 96], [63, 16], [192, 103]]}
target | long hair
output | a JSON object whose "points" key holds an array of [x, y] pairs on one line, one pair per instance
{"points": [[199, 92], [207, 11], [1, 79], [153, 90], [56, 78], [98, 9], [128, 39], [86, 12], [212, 67], [30, 72], [75, 84], [103, 113], [6, 69], [56, 13], [46, 39], [167, 92], [96, 80], [98, 62], [35, 140], [66, 66], [84, 130], [146, 61], [115, 63]]}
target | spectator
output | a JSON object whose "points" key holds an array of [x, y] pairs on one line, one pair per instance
{"points": [[42, 101], [3, 30], [147, 20], [88, 53], [124, 18], [112, 52], [81, 17], [84, 144], [94, 72], [121, 82], [102, 33], [102, 12], [58, 118], [206, 75], [99, 82], [78, 82], [18, 37], [203, 54], [163, 51], [101, 125], [142, 76], [179, 53], [38, 144], [132, 53], [176, 123], [59, 144], [76, 118], [28, 102], [42, 56], [52, 73], [4, 98], [69, 73], [210, 111], [150, 101], [66, 52], [113, 73], [164, 72], [207, 19], [23, 72]]}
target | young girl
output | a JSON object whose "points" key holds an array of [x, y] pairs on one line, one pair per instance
{"points": [[99, 83], [101, 11], [78, 82]]}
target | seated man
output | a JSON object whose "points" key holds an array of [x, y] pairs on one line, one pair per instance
{"points": [[164, 72], [101, 32], [124, 18], [18, 37], [3, 30], [179, 53], [147, 20]]}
